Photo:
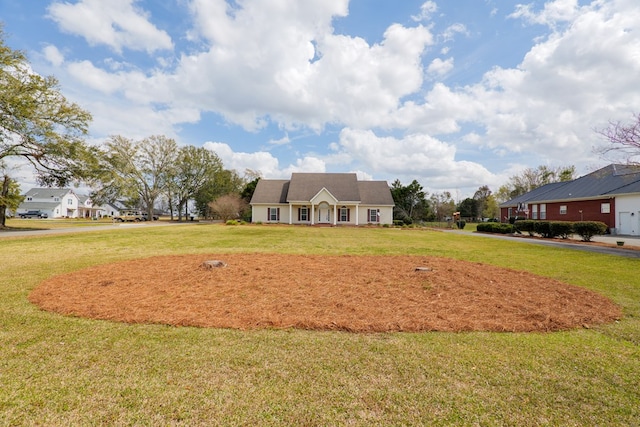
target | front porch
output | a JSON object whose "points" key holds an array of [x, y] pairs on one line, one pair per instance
{"points": [[323, 213]]}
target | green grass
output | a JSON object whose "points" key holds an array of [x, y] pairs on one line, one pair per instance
{"points": [[57, 370]]}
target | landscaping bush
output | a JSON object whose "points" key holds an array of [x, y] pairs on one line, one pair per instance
{"points": [[561, 229], [461, 224], [525, 225], [495, 227], [232, 222], [587, 229], [542, 228]]}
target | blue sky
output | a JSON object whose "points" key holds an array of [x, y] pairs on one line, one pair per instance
{"points": [[453, 94]]}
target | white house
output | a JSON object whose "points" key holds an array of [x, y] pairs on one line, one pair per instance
{"points": [[322, 198], [59, 203]]}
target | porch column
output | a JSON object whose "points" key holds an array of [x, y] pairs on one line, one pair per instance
{"points": [[290, 212], [357, 214], [313, 213], [335, 214]]}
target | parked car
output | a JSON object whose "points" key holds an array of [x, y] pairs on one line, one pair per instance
{"points": [[128, 216], [33, 214]]}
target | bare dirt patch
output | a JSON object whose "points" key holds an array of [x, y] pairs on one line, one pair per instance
{"points": [[351, 293]]}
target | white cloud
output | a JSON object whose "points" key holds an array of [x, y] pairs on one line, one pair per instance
{"points": [[117, 24], [439, 67], [263, 162], [412, 156], [550, 104], [451, 31], [554, 12], [282, 141], [53, 55], [427, 10], [293, 69]]}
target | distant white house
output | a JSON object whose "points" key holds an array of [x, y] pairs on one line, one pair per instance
{"points": [[59, 203]]}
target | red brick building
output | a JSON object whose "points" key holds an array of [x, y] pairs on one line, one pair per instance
{"points": [[610, 195]]}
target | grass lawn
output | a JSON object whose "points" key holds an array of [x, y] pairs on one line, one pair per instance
{"points": [[57, 370]]}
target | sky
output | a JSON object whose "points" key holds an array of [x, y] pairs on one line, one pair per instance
{"points": [[453, 94]]}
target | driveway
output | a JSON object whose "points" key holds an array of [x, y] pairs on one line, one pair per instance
{"points": [[632, 241], [115, 226]]}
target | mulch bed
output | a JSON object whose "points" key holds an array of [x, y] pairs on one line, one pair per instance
{"points": [[349, 293]]}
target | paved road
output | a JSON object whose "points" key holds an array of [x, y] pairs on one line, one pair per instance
{"points": [[114, 226], [628, 241]]}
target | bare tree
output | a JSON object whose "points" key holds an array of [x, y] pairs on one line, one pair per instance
{"points": [[624, 141], [530, 179], [229, 206], [136, 170]]}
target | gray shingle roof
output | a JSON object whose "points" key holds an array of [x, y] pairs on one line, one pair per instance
{"points": [[304, 186], [608, 181], [271, 191], [42, 193], [375, 193]]}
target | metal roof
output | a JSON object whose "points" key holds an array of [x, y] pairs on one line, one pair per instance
{"points": [[42, 193], [608, 181]]}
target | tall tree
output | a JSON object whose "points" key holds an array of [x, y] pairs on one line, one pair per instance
{"points": [[39, 125], [482, 196], [410, 201], [226, 182], [624, 141], [135, 170], [468, 208], [195, 168], [10, 197], [442, 205]]}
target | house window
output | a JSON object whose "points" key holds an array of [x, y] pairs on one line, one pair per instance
{"points": [[373, 215], [56, 199], [29, 199], [69, 202], [273, 214], [563, 209], [605, 208], [543, 211], [303, 214], [344, 214], [534, 211]]}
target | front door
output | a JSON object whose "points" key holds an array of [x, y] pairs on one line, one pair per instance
{"points": [[324, 213]]}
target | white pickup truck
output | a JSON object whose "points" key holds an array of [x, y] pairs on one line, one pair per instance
{"points": [[128, 216]]}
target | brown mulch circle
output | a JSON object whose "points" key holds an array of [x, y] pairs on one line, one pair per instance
{"points": [[350, 293]]}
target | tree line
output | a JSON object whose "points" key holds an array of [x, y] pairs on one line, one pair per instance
{"points": [[155, 170], [413, 204], [40, 126]]}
